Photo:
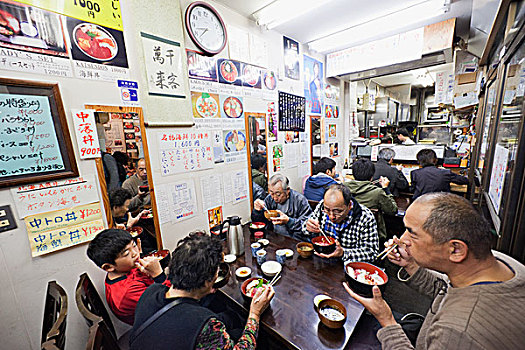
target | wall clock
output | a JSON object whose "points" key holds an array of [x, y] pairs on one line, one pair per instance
{"points": [[205, 27]]}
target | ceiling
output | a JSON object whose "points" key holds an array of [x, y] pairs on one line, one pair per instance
{"points": [[337, 15]]}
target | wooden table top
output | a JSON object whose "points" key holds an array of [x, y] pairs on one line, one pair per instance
{"points": [[291, 317]]}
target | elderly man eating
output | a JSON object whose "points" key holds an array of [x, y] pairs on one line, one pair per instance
{"points": [[478, 293], [351, 224], [293, 207]]}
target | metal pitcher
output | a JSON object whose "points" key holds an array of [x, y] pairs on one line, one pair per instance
{"points": [[235, 236]]}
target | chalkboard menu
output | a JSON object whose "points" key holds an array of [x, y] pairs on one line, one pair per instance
{"points": [[291, 112], [34, 138]]}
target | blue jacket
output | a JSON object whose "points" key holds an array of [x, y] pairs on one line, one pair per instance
{"points": [[316, 185]]}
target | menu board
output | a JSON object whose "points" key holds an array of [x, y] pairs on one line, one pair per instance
{"points": [[34, 138], [497, 177], [291, 112], [185, 151]]}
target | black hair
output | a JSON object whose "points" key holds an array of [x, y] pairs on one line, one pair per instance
{"points": [[121, 157], [403, 132], [426, 157], [363, 169], [118, 197], [343, 189], [323, 165], [107, 245], [195, 261], [454, 217], [258, 161]]}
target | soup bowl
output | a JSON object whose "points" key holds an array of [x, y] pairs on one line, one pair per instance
{"points": [[224, 275], [322, 245], [331, 313], [362, 276], [305, 249], [271, 214]]}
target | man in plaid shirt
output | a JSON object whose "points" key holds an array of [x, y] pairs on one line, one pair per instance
{"points": [[351, 224]]}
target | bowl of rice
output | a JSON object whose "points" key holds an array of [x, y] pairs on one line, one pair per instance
{"points": [[362, 276]]}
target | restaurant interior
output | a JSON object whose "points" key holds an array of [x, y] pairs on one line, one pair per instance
{"points": [[191, 123]]}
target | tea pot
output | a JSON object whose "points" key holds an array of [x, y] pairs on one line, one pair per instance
{"points": [[234, 235]]}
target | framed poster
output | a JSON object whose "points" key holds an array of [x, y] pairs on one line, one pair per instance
{"points": [[35, 145]]}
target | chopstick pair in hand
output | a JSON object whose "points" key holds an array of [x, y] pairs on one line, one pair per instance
{"points": [[275, 279], [387, 251]]}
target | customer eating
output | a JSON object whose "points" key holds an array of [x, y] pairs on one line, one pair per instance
{"points": [[290, 208], [446, 254], [133, 184], [172, 318], [352, 225]]}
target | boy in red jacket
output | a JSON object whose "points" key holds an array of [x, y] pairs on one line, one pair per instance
{"points": [[128, 275]]}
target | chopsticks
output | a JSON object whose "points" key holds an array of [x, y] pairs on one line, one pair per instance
{"points": [[275, 279], [375, 181], [386, 252]]}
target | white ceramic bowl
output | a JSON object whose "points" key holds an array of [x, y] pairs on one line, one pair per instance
{"points": [[271, 268]]}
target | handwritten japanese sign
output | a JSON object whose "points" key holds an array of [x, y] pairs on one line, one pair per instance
{"points": [[103, 12], [28, 142], [185, 151], [59, 229], [163, 66], [43, 197], [86, 131]]}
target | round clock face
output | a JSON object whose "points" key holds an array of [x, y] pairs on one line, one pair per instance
{"points": [[206, 28]]}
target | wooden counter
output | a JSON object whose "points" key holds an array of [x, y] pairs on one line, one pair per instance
{"points": [[291, 318]]}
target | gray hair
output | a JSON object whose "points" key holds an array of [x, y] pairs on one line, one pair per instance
{"points": [[285, 183], [454, 217], [386, 154]]}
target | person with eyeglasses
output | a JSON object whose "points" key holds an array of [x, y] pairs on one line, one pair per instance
{"points": [[293, 208], [478, 294], [352, 225]]}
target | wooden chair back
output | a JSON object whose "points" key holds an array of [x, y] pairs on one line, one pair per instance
{"points": [[100, 337], [91, 305], [49, 345], [55, 313]]}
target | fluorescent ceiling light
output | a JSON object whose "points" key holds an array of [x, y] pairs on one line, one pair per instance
{"points": [[391, 22], [282, 11]]}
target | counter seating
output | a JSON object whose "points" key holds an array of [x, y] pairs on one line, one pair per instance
{"points": [[55, 313], [92, 308], [100, 337]]}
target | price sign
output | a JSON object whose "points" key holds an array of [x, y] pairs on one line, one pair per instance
{"points": [[86, 131], [103, 12]]}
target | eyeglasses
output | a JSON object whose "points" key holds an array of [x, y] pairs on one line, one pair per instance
{"points": [[335, 212]]}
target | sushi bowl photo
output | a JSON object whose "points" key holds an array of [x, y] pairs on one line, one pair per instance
{"points": [[362, 277]]}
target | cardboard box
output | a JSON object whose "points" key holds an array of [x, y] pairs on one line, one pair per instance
{"points": [[466, 78]]}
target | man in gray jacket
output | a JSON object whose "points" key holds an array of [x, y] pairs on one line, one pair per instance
{"points": [[478, 295], [293, 207]]}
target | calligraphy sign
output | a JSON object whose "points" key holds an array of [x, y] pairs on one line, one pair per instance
{"points": [[64, 228], [86, 131], [34, 137], [163, 66], [185, 151]]}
